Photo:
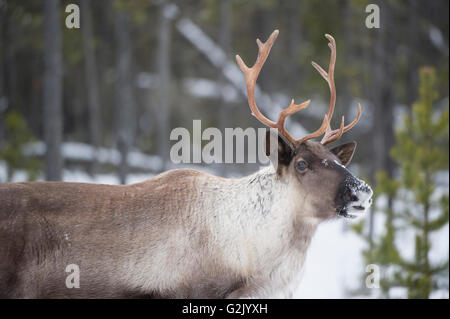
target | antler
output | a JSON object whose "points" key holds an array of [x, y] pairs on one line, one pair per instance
{"points": [[251, 75], [333, 135]]}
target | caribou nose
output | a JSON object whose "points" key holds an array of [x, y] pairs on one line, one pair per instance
{"points": [[361, 197], [356, 196], [364, 194]]}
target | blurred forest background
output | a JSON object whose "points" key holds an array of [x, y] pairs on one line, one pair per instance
{"points": [[97, 104]]}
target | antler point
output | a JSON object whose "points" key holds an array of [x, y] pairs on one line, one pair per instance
{"points": [[241, 64]]}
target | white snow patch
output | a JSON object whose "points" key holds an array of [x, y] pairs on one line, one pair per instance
{"points": [[333, 264]]}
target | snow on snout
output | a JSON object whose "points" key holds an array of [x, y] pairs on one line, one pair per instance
{"points": [[363, 193], [360, 190]]}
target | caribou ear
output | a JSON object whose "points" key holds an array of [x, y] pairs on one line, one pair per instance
{"points": [[278, 149], [344, 152]]}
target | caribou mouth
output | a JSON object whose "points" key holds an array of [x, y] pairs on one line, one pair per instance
{"points": [[355, 208], [344, 213]]}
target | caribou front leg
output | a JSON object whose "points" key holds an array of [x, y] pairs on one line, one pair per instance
{"points": [[271, 289], [253, 292]]}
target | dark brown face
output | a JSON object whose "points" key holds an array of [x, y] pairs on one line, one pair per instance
{"points": [[324, 185]]}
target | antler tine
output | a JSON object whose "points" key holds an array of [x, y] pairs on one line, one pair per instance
{"points": [[325, 128], [329, 76], [331, 136], [319, 132], [334, 135], [251, 75], [291, 109]]}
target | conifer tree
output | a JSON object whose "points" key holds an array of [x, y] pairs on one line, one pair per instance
{"points": [[18, 135], [421, 153]]}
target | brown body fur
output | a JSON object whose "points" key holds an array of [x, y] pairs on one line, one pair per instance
{"points": [[104, 229]]}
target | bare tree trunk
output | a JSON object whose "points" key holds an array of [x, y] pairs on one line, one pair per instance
{"points": [[125, 118], [93, 96], [10, 34], [3, 98], [382, 90], [295, 41], [52, 94], [412, 71], [383, 96], [225, 43], [35, 107], [163, 66], [349, 37]]}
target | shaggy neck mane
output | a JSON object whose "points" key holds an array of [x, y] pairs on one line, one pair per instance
{"points": [[265, 203], [268, 233]]}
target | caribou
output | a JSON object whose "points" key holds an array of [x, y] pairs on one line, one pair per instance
{"points": [[185, 233]]}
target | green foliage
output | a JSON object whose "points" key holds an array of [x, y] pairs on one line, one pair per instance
{"points": [[421, 151], [18, 135]]}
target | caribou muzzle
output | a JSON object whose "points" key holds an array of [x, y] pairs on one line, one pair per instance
{"points": [[354, 196]]}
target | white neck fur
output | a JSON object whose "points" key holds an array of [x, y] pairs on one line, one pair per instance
{"points": [[262, 231]]}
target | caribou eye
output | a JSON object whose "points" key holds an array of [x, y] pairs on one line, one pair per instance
{"points": [[302, 165]]}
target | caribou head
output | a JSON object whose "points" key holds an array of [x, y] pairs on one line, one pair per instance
{"points": [[318, 174]]}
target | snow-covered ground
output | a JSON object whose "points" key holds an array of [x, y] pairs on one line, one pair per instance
{"points": [[334, 263]]}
